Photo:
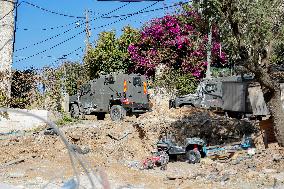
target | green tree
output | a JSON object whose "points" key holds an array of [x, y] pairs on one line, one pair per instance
{"points": [[74, 75], [23, 88], [110, 53], [253, 31]]}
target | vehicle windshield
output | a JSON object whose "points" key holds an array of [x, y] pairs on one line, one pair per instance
{"points": [[137, 81]]}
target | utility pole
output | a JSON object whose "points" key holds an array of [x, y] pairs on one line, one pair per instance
{"points": [[88, 31], [7, 28], [209, 48]]}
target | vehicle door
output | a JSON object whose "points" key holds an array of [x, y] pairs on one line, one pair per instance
{"points": [[86, 97], [137, 89], [212, 95]]}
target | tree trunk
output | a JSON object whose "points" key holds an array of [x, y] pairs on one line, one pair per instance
{"points": [[6, 45], [277, 112]]}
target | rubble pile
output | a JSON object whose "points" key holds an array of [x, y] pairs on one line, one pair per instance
{"points": [[136, 138], [116, 146]]}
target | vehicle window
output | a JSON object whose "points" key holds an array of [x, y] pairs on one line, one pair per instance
{"points": [[137, 81], [86, 88], [211, 87]]}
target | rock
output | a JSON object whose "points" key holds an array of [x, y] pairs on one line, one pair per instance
{"points": [[269, 171], [16, 175], [225, 178], [206, 161], [13, 162], [81, 150], [277, 157], [212, 176], [50, 131], [279, 176]]}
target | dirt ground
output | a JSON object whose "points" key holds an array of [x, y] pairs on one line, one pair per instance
{"points": [[114, 152]]}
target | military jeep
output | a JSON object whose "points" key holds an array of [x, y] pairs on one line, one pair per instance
{"points": [[116, 94]]}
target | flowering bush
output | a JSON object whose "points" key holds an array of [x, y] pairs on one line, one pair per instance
{"points": [[179, 41]]}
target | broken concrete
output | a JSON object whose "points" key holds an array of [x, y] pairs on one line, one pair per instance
{"points": [[19, 122]]}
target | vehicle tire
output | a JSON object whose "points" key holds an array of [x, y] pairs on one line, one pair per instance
{"points": [[117, 113], [193, 156], [75, 113], [101, 116]]}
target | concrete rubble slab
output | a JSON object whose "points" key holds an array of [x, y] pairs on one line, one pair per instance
{"points": [[20, 122]]}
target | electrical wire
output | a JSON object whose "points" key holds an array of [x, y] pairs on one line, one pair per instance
{"points": [[55, 36], [132, 14], [41, 52], [52, 12], [146, 11], [65, 55], [11, 11], [73, 23], [116, 16]]}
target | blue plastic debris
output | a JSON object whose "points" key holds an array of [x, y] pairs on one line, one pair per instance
{"points": [[70, 184]]}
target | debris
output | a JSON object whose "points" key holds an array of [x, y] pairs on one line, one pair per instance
{"points": [[120, 138], [70, 184], [121, 153], [251, 151], [13, 162], [279, 176], [277, 157], [50, 131], [80, 150], [159, 159]]}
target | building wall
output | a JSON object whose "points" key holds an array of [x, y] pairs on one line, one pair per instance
{"points": [[6, 44]]}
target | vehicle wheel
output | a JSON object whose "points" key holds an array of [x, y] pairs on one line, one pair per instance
{"points": [[193, 156], [75, 111], [117, 113], [101, 116]]}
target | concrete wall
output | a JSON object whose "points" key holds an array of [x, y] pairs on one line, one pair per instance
{"points": [[20, 122], [6, 44]]}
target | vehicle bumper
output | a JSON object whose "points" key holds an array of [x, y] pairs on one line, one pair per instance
{"points": [[138, 107]]}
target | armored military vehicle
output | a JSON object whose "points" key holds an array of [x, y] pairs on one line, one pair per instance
{"points": [[117, 94], [234, 95]]}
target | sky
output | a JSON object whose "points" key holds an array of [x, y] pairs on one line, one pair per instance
{"points": [[35, 27]]}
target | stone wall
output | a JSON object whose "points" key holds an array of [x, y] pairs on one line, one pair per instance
{"points": [[22, 122]]}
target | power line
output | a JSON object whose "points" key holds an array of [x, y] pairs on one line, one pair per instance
{"points": [[52, 12], [55, 36], [11, 11], [28, 57], [146, 11], [76, 22], [65, 55], [113, 16], [55, 27], [129, 15]]}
